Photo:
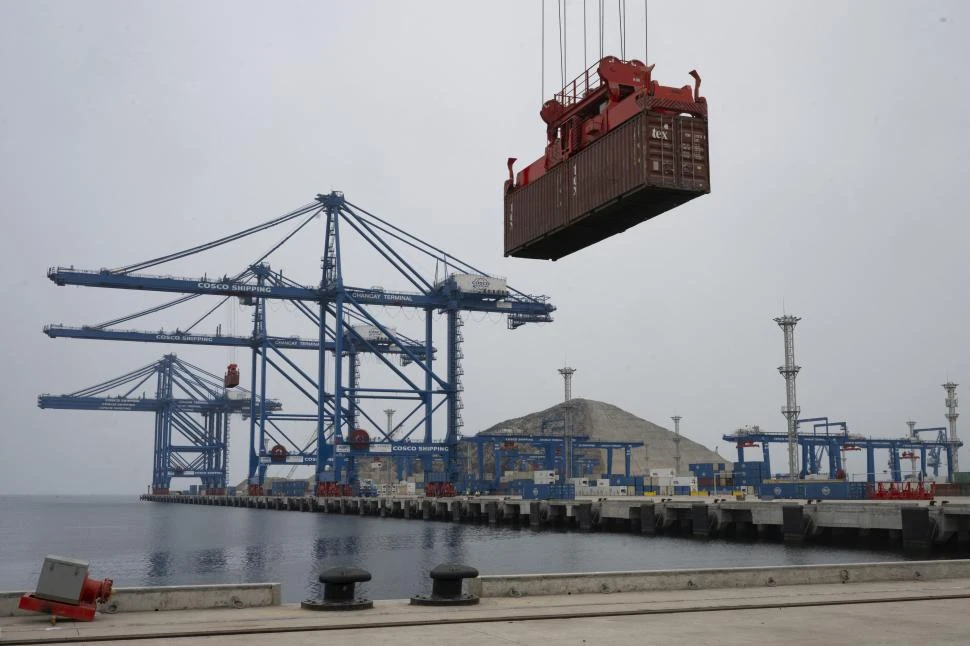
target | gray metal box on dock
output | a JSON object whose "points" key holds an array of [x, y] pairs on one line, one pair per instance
{"points": [[61, 579]]}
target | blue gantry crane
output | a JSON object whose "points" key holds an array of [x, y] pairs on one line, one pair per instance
{"points": [[343, 314], [837, 443], [556, 450], [931, 457], [192, 409]]}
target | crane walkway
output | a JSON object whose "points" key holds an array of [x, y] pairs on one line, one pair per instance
{"points": [[866, 613]]}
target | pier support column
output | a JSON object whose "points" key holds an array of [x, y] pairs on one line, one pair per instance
{"points": [[511, 513], [792, 524], [963, 531], [492, 510], [916, 528], [648, 519], [406, 507], [584, 516], [455, 511], [557, 514], [633, 519], [534, 511], [700, 523], [426, 509]]}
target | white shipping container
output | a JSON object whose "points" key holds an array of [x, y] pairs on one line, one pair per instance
{"points": [[372, 333], [478, 284], [684, 481], [660, 473]]}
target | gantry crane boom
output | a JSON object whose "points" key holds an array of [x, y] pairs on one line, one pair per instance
{"points": [[191, 409], [463, 288]]}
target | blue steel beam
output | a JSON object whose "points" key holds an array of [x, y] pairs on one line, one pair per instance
{"points": [[345, 303], [467, 301], [841, 441], [182, 392], [185, 338]]}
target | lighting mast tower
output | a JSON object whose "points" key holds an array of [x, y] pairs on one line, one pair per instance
{"points": [[951, 418], [390, 421], [789, 371], [567, 377], [676, 419]]}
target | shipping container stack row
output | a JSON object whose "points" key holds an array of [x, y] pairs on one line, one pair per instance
{"points": [[288, 488], [549, 492], [711, 476], [749, 474], [616, 485], [813, 490]]}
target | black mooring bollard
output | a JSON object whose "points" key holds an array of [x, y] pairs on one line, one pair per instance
{"points": [[338, 590], [446, 586]]}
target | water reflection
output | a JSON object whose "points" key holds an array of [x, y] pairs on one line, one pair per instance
{"points": [[184, 545], [211, 560], [159, 566], [254, 558]]}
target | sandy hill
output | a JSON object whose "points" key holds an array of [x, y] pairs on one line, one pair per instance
{"points": [[602, 421]]}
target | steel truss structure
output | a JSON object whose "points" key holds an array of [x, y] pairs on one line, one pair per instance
{"points": [[192, 410], [347, 327]]}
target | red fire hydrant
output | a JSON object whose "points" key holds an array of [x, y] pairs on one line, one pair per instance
{"points": [[64, 589]]}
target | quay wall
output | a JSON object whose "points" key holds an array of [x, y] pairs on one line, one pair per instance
{"points": [[176, 597], [922, 525], [522, 585]]}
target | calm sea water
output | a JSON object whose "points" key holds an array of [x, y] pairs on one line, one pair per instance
{"points": [[142, 543]]}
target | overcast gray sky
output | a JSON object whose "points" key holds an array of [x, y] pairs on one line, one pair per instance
{"points": [[839, 157]]}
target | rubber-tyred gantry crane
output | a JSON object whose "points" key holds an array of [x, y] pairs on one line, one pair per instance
{"points": [[343, 315]]}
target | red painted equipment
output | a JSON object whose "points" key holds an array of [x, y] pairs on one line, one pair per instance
{"points": [[439, 490], [334, 490], [160, 491], [902, 491], [49, 597], [359, 439], [277, 453], [256, 490], [232, 376], [618, 152]]}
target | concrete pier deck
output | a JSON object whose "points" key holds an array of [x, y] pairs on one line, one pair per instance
{"points": [[919, 525], [900, 612]]}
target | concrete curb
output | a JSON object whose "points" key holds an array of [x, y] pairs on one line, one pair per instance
{"points": [[742, 577], [180, 597]]}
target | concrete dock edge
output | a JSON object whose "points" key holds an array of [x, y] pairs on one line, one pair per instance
{"points": [[743, 577], [181, 597]]}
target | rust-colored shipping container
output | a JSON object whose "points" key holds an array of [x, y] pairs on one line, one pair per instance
{"points": [[650, 164]]}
